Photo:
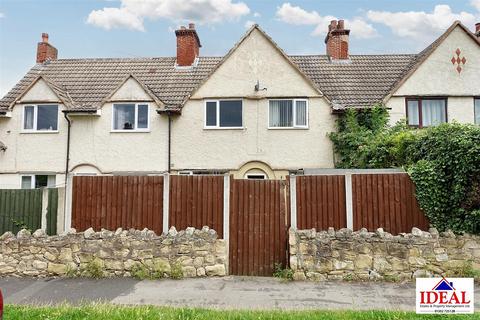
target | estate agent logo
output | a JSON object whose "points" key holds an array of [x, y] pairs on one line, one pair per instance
{"points": [[441, 295]]}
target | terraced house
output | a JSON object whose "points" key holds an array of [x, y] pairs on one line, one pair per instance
{"points": [[257, 112]]}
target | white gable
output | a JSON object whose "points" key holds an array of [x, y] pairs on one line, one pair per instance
{"points": [[40, 92], [256, 58], [437, 75], [131, 90]]}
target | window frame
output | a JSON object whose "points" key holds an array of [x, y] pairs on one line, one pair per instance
{"points": [[420, 116], [217, 106], [33, 180], [135, 129], [294, 114], [475, 99], [35, 118]]}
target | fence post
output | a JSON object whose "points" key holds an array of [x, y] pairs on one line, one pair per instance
{"points": [[68, 203], [226, 206], [293, 201], [349, 199], [166, 201], [43, 219]]}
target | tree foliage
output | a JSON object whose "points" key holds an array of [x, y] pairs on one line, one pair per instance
{"points": [[443, 162]]}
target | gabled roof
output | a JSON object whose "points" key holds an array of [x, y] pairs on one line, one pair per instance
{"points": [[422, 56], [235, 47], [85, 84]]}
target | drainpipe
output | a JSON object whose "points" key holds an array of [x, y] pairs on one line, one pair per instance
{"points": [[67, 159], [169, 141]]}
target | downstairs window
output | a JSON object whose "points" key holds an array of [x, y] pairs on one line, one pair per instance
{"points": [[426, 112]]}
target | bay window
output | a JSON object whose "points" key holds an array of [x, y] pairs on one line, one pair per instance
{"points": [[426, 112], [288, 113], [42, 117], [223, 114], [130, 117]]}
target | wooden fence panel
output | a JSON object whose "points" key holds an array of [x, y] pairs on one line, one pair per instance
{"points": [[258, 226], [387, 201], [20, 208], [111, 202], [321, 202], [196, 201], [52, 208]]}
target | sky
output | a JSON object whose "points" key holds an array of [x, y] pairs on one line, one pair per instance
{"points": [[145, 28]]}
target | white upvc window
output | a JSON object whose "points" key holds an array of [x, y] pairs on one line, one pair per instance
{"points": [[35, 181], [223, 114], [128, 117], [40, 118], [288, 113]]}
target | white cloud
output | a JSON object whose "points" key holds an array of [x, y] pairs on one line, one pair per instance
{"points": [[257, 15], [2, 15], [249, 23], [420, 25], [476, 4], [298, 16], [132, 13]]}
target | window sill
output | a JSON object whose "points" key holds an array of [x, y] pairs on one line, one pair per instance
{"points": [[223, 128], [130, 131], [39, 132], [287, 128]]}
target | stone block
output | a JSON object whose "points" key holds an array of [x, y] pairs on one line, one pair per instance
{"points": [[216, 270]]}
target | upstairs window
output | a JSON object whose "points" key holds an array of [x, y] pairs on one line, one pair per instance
{"points": [[223, 114], [131, 117], [426, 112], [43, 117], [477, 110], [288, 113]]}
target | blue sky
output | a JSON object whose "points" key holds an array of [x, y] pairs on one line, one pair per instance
{"points": [[138, 28]]}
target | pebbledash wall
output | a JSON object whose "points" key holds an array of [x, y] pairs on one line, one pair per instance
{"points": [[197, 252], [363, 255]]}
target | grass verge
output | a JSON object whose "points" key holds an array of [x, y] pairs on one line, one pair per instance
{"points": [[113, 312]]}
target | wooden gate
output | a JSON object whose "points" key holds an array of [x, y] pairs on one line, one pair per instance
{"points": [[258, 226]]}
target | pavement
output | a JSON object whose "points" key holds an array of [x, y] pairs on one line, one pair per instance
{"points": [[230, 292]]}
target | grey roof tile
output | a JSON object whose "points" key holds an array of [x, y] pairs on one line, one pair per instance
{"points": [[361, 82]]}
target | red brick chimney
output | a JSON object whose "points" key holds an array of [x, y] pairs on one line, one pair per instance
{"points": [[337, 40], [477, 29], [188, 45], [45, 51]]}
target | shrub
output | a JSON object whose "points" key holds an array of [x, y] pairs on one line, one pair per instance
{"points": [[282, 273], [176, 271], [93, 269]]}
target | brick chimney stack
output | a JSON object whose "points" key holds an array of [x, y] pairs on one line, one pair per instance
{"points": [[45, 51], [337, 40], [477, 29], [188, 45]]}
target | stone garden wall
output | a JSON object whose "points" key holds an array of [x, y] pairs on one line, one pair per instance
{"points": [[363, 255], [189, 253]]}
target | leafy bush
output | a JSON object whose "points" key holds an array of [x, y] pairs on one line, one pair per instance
{"points": [[176, 272], [443, 162], [93, 269], [282, 273]]}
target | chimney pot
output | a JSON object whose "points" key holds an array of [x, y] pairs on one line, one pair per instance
{"points": [[45, 51], [191, 26], [341, 25], [183, 28]]}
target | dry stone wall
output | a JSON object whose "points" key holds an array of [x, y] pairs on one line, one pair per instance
{"points": [[192, 253], [363, 255]]}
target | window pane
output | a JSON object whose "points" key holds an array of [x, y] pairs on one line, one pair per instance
{"points": [[123, 116], [26, 182], [477, 111], [51, 182], [28, 117], [231, 113], [301, 113], [211, 117], [142, 116], [47, 117], [433, 112], [412, 113], [41, 181], [281, 113]]}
